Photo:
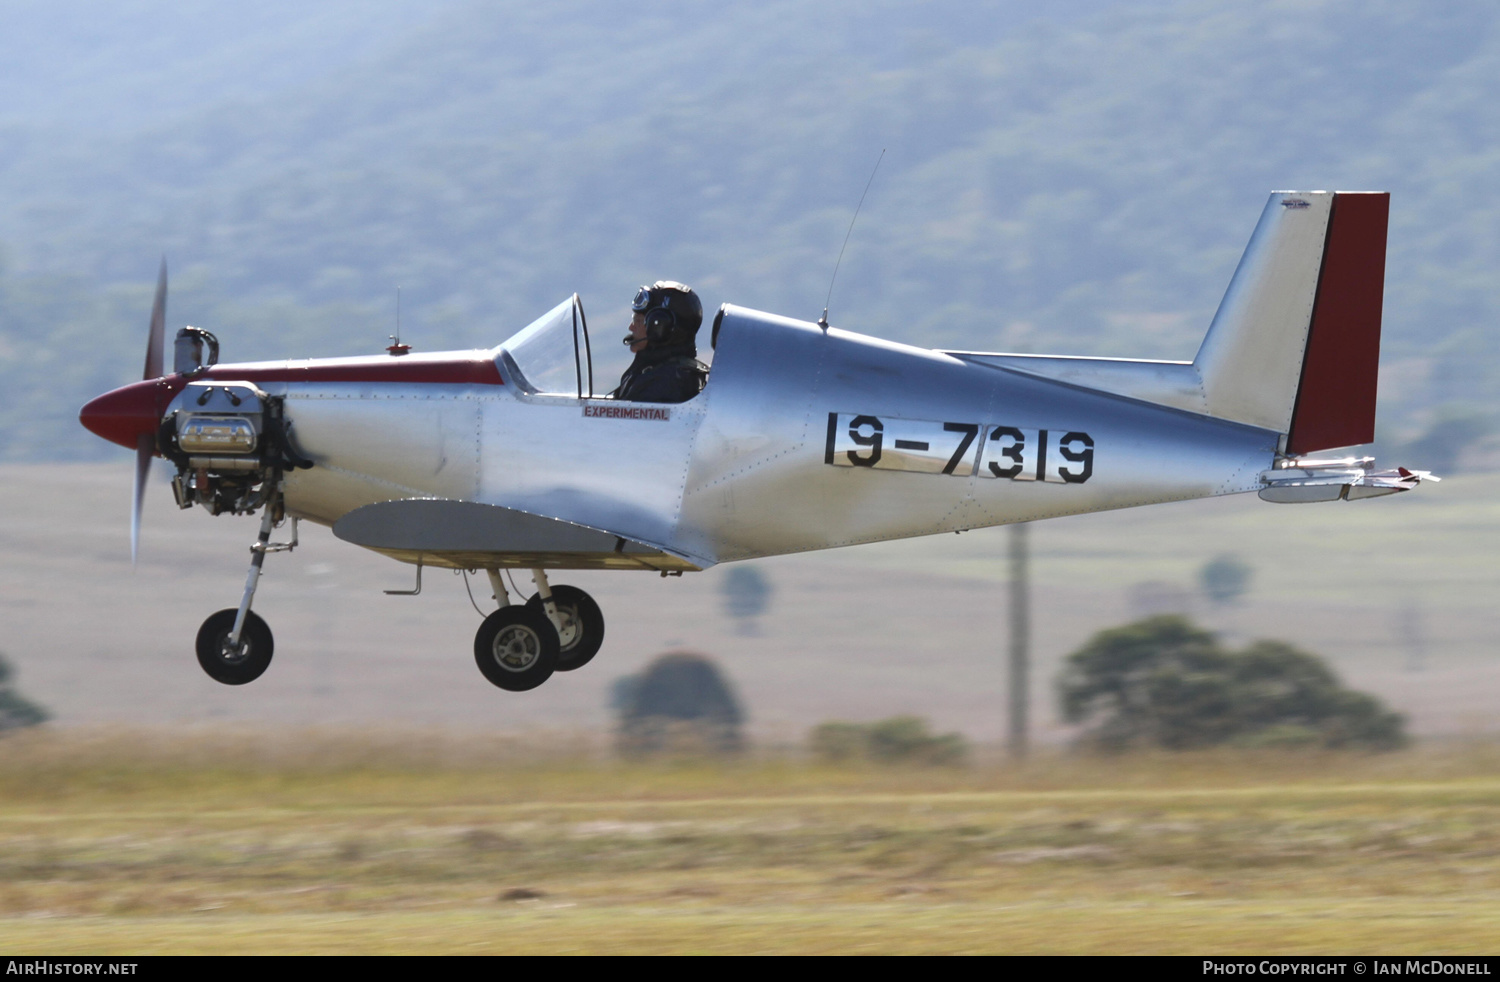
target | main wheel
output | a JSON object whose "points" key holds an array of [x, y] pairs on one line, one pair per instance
{"points": [[582, 625], [516, 648], [234, 666]]}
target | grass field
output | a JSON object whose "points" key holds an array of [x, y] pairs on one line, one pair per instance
{"points": [[350, 842]]}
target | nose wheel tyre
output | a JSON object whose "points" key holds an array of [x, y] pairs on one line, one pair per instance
{"points": [[234, 666], [582, 625], [516, 648]]}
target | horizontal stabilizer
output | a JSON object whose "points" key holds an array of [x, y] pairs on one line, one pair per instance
{"points": [[1301, 480], [471, 535]]}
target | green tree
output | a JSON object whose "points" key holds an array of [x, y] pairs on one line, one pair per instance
{"points": [[1225, 579], [680, 703], [16, 711], [1165, 682], [747, 595], [1133, 684]]}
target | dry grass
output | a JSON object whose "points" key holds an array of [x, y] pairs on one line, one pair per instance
{"points": [[351, 842]]}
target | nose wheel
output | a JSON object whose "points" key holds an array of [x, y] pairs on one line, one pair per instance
{"points": [[234, 663]]}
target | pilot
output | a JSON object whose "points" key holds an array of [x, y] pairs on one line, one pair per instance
{"points": [[664, 337]]}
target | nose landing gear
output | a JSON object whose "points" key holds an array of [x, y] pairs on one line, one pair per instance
{"points": [[235, 644]]}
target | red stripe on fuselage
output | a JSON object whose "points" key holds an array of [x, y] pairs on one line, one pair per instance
{"points": [[1336, 398], [125, 414], [477, 370]]}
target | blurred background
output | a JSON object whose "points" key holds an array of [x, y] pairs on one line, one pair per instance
{"points": [[1076, 179]]}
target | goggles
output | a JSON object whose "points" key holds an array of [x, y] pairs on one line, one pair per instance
{"points": [[642, 299]]}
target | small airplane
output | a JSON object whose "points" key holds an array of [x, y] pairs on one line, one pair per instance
{"points": [[804, 437]]}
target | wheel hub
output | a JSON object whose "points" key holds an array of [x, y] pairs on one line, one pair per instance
{"points": [[232, 655], [517, 648]]}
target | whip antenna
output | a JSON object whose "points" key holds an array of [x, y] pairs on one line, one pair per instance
{"points": [[396, 347], [823, 321]]}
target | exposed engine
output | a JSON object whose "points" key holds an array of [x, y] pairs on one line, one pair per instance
{"points": [[231, 444]]}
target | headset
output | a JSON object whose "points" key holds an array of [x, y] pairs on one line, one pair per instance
{"points": [[662, 321]]}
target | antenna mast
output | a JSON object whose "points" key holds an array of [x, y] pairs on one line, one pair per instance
{"points": [[396, 347], [823, 321]]}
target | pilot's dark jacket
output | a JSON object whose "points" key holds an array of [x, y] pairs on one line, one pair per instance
{"points": [[671, 374]]}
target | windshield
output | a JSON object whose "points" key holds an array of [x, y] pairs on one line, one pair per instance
{"points": [[551, 354]]}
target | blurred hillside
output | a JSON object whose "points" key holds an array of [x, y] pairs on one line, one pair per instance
{"points": [[1080, 181]]}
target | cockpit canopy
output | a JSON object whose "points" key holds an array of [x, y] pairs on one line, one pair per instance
{"points": [[551, 354]]}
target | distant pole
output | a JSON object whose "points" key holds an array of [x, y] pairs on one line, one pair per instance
{"points": [[1020, 640]]}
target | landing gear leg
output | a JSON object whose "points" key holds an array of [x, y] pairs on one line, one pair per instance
{"points": [[235, 645], [544, 595], [497, 583], [580, 623], [252, 580]]}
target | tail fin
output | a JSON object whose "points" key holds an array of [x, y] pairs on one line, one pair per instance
{"points": [[1295, 346]]}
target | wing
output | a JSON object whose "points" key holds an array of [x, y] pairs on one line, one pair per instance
{"points": [[471, 535]]}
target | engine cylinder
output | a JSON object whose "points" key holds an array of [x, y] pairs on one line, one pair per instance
{"points": [[222, 436]]}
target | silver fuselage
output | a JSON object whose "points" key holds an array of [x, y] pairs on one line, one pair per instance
{"points": [[803, 439]]}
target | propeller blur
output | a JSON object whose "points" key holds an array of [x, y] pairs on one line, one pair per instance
{"points": [[145, 439]]}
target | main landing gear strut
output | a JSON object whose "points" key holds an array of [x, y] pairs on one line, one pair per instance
{"points": [[519, 646]]}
